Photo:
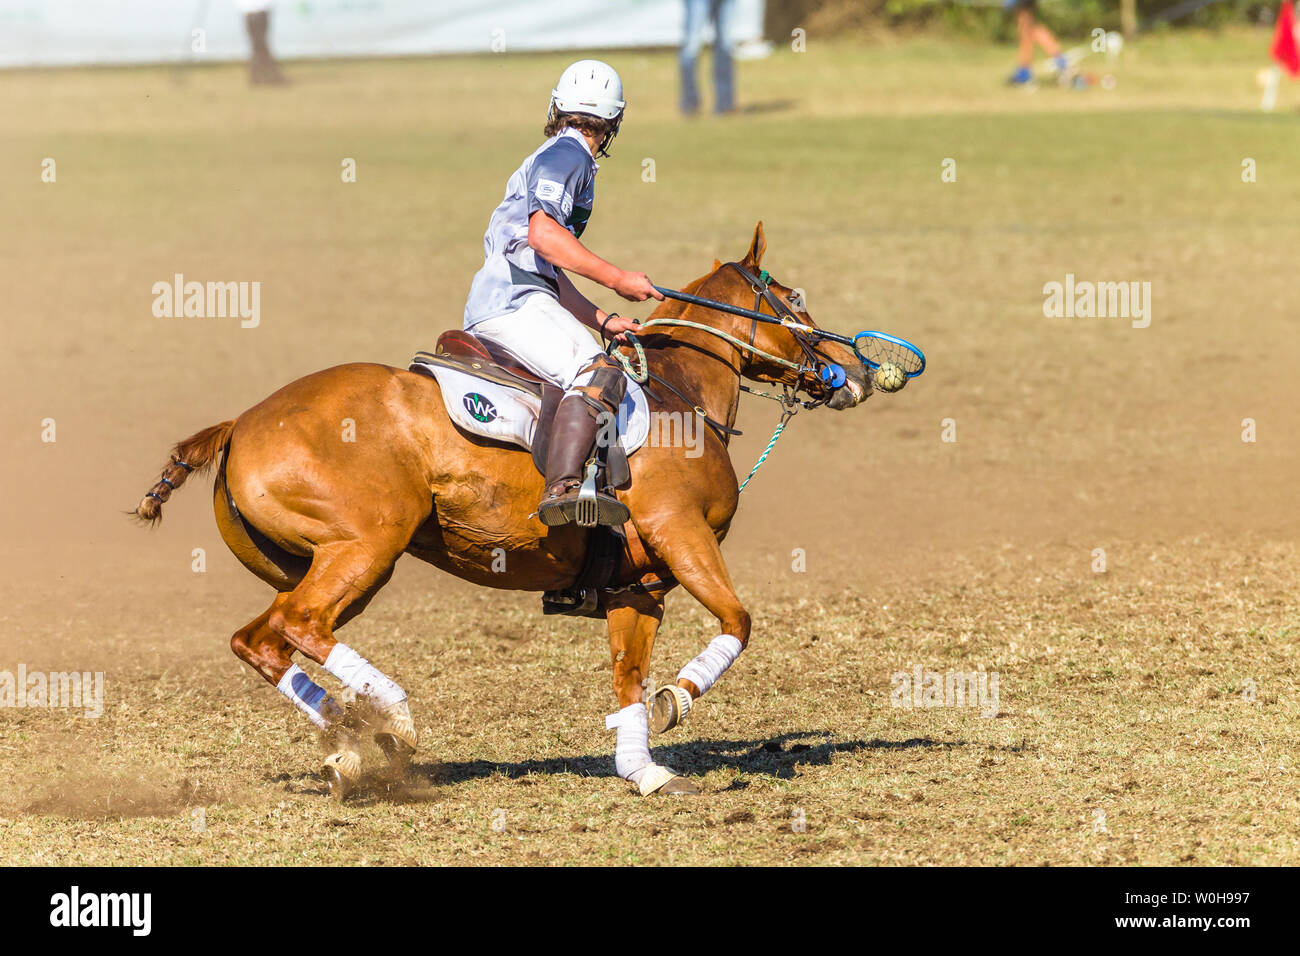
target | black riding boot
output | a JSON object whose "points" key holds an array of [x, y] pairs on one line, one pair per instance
{"points": [[572, 444]]}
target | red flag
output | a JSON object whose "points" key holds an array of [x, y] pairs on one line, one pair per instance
{"points": [[1284, 46]]}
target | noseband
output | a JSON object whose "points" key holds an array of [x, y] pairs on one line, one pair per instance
{"points": [[813, 358]]}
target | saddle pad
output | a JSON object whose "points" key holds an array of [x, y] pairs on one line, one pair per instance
{"points": [[508, 414]]}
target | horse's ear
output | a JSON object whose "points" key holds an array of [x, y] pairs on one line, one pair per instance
{"points": [[717, 264], [759, 246]]}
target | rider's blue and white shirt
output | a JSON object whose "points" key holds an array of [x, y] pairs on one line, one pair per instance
{"points": [[559, 178]]}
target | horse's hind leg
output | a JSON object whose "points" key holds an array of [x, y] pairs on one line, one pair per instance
{"points": [[344, 575], [271, 656], [392, 727]]}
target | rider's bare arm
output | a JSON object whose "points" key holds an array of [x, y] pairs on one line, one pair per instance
{"points": [[561, 249], [590, 314], [586, 311]]}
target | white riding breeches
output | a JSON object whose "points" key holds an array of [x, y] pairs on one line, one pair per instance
{"points": [[545, 338]]}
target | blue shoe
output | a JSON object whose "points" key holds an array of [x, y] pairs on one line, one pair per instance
{"points": [[1022, 76], [1061, 63]]}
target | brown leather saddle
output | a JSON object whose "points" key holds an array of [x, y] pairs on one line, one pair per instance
{"points": [[483, 356], [465, 353]]}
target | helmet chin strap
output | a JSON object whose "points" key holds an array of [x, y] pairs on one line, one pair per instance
{"points": [[603, 150]]}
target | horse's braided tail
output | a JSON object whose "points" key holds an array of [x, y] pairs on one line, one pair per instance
{"points": [[193, 454]]}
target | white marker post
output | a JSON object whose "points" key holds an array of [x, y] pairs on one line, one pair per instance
{"points": [[1271, 82]]}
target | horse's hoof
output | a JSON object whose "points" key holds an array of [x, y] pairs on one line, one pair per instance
{"points": [[341, 771], [669, 707], [658, 779], [394, 733], [680, 785], [339, 787], [398, 753]]}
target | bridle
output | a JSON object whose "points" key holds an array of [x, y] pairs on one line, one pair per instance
{"points": [[814, 362], [783, 314], [814, 359]]}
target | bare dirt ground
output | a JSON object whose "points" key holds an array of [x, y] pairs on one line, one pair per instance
{"points": [[1145, 712]]}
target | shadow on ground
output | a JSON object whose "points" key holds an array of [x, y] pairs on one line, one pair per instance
{"points": [[778, 757]]}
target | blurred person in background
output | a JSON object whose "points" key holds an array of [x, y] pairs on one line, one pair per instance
{"points": [[1030, 31], [262, 68], [697, 13]]}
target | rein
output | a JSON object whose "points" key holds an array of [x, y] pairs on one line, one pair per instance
{"points": [[639, 371], [643, 375], [725, 336]]}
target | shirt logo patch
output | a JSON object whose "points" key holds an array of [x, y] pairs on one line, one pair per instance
{"points": [[549, 190]]}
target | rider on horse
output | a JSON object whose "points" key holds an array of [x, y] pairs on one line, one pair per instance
{"points": [[523, 303]]}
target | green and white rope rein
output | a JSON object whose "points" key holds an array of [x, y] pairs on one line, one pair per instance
{"points": [[642, 375], [780, 427]]}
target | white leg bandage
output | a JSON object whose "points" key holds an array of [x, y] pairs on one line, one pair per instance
{"points": [[632, 749], [309, 697], [712, 662], [356, 672]]}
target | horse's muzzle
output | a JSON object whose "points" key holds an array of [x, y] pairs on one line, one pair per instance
{"points": [[854, 391]]}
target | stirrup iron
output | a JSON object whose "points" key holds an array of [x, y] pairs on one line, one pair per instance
{"points": [[587, 508]]}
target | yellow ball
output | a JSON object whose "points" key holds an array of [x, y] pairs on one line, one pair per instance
{"points": [[890, 377]]}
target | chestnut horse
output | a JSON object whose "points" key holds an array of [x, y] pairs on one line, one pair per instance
{"points": [[322, 516]]}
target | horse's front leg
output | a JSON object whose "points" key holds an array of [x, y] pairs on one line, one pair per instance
{"points": [[633, 621], [691, 550]]}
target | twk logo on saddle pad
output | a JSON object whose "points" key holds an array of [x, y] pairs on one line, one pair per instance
{"points": [[508, 414], [479, 407]]}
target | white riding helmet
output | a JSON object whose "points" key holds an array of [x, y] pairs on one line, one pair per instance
{"points": [[589, 86]]}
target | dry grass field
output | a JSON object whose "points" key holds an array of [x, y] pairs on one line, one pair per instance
{"points": [[1146, 712]]}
